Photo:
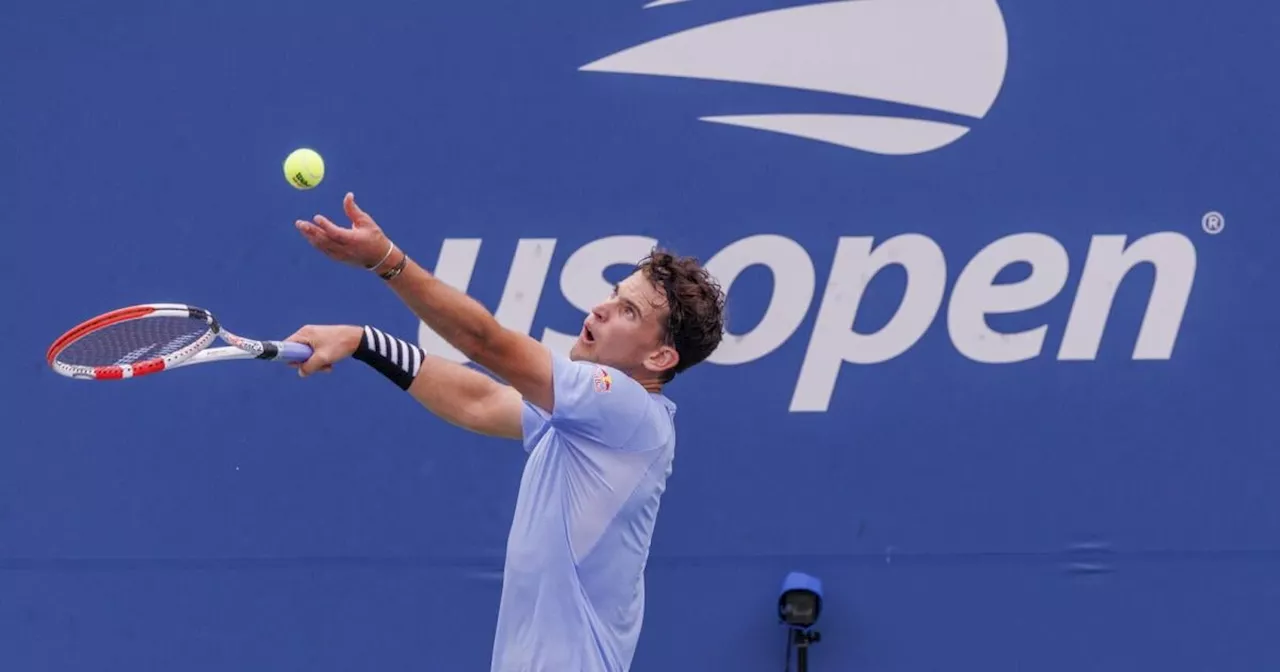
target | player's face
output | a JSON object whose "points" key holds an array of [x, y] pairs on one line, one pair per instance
{"points": [[625, 330]]}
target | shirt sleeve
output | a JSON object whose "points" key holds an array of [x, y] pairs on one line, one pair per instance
{"points": [[598, 403], [533, 421]]}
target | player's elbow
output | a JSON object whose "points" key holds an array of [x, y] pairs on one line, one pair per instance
{"points": [[493, 347], [480, 343]]}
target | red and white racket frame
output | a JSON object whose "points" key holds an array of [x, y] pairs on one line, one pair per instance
{"points": [[196, 352]]}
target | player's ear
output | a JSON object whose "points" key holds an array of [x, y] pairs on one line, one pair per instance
{"points": [[665, 357]]}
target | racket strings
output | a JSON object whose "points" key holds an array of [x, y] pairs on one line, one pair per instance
{"points": [[134, 340]]}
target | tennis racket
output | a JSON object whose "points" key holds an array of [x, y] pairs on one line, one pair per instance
{"points": [[154, 337]]}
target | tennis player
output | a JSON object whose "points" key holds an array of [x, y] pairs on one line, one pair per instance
{"points": [[597, 427]]}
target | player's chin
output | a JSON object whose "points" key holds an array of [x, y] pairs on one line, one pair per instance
{"points": [[580, 352]]}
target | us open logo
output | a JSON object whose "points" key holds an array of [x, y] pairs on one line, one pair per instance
{"points": [[940, 56]]}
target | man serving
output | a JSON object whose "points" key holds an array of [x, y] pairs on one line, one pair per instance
{"points": [[598, 429]]}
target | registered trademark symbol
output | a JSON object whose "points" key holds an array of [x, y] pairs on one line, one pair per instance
{"points": [[1213, 223]]}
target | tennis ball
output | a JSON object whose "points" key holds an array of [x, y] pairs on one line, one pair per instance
{"points": [[304, 168]]}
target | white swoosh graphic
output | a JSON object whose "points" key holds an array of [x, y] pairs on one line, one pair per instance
{"points": [[879, 135], [948, 55]]}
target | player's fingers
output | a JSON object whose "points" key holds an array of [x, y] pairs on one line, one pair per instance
{"points": [[311, 365], [319, 239], [359, 218], [324, 234], [314, 234], [306, 336], [331, 231]]}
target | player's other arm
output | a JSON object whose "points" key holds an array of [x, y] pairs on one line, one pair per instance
{"points": [[456, 393], [468, 398]]}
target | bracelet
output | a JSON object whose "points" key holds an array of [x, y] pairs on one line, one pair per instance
{"points": [[395, 270], [391, 247], [397, 360]]}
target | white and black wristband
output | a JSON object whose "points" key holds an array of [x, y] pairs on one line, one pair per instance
{"points": [[392, 357]]}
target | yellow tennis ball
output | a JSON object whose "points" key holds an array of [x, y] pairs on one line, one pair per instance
{"points": [[304, 168]]}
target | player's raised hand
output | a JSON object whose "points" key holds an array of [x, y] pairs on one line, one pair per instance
{"points": [[363, 244]]}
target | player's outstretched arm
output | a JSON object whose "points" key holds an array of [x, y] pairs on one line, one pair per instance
{"points": [[466, 325], [462, 321], [456, 393]]}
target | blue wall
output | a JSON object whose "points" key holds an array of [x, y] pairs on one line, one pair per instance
{"points": [[1096, 493]]}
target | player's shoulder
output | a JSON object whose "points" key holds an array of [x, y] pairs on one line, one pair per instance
{"points": [[612, 384], [605, 404], [600, 379], [606, 379], [652, 409]]}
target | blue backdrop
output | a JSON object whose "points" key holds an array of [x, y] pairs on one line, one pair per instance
{"points": [[1002, 366]]}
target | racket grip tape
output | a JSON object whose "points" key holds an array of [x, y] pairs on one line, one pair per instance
{"points": [[293, 352], [394, 358]]}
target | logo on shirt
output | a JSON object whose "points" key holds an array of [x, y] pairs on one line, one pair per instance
{"points": [[602, 380]]}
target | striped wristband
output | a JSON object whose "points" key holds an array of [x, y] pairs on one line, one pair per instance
{"points": [[392, 357]]}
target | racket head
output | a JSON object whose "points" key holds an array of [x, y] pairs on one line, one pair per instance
{"points": [[133, 341]]}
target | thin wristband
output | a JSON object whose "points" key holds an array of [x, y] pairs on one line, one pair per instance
{"points": [[390, 248], [394, 358], [397, 269]]}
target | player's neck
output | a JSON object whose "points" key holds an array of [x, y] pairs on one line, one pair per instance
{"points": [[647, 380]]}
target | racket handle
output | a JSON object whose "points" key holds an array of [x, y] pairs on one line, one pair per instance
{"points": [[294, 352]]}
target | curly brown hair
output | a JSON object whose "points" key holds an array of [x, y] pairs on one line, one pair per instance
{"points": [[696, 303]]}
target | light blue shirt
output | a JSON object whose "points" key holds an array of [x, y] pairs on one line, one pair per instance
{"points": [[573, 586]]}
